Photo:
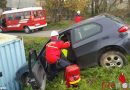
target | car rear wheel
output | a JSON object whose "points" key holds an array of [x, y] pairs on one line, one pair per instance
{"points": [[112, 59], [27, 30]]}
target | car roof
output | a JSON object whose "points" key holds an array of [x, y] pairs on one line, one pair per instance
{"points": [[22, 10], [89, 20]]}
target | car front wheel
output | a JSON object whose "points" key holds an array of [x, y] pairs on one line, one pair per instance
{"points": [[25, 79], [26, 82], [112, 59]]}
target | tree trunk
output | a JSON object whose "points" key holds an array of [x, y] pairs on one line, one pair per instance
{"points": [[112, 5], [104, 5], [128, 3], [92, 8], [96, 7]]}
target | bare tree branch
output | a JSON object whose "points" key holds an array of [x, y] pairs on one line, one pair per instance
{"points": [[112, 5]]}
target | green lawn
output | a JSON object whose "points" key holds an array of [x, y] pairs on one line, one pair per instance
{"points": [[60, 25], [91, 78]]}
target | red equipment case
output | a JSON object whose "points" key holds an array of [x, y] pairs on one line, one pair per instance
{"points": [[72, 75]]}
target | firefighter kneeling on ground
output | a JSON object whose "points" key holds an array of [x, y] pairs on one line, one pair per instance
{"points": [[53, 53]]}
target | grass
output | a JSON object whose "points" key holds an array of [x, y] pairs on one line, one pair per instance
{"points": [[60, 25], [91, 78]]}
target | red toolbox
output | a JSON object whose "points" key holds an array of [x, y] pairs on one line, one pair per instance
{"points": [[72, 75]]}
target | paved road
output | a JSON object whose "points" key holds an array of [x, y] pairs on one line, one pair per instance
{"points": [[34, 34]]}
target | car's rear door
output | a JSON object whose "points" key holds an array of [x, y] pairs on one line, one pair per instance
{"points": [[84, 41]]}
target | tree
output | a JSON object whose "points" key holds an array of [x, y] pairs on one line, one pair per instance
{"points": [[58, 9], [54, 8], [101, 6], [3, 4], [128, 3]]}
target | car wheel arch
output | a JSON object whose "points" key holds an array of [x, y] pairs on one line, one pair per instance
{"points": [[110, 48], [25, 26], [21, 75], [22, 70]]}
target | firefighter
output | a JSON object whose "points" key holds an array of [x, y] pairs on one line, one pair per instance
{"points": [[53, 53], [78, 17], [3, 21]]}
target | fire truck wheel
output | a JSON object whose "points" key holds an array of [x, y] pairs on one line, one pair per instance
{"points": [[1, 30], [27, 30]]}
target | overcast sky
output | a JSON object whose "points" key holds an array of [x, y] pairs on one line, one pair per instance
{"points": [[20, 3]]}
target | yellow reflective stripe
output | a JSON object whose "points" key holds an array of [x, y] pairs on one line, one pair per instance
{"points": [[65, 52], [74, 82]]}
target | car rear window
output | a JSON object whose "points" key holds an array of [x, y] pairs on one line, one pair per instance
{"points": [[115, 19]]}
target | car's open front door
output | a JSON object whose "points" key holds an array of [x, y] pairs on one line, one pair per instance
{"points": [[37, 72]]}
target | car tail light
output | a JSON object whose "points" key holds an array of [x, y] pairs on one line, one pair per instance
{"points": [[123, 29]]}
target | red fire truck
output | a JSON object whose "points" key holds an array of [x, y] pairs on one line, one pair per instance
{"points": [[27, 19]]}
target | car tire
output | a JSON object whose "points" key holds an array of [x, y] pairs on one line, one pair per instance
{"points": [[24, 79], [113, 59], [27, 30]]}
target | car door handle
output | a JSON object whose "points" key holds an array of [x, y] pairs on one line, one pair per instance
{"points": [[0, 74]]}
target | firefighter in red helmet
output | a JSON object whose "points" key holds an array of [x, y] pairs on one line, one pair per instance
{"points": [[78, 17], [53, 53]]}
